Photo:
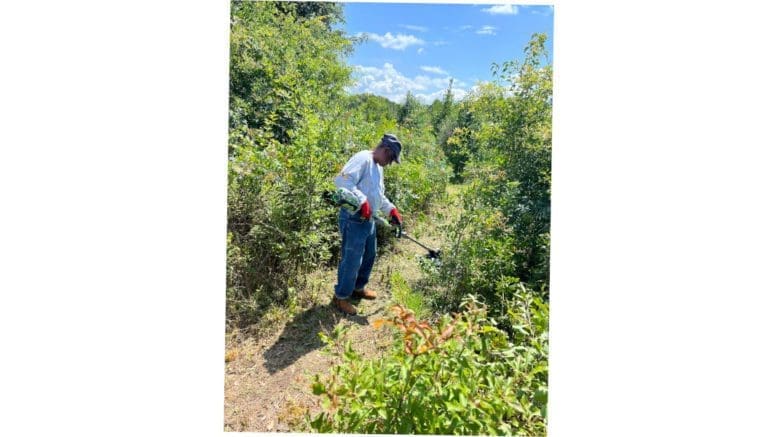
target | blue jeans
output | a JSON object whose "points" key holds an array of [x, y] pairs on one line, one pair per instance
{"points": [[357, 254]]}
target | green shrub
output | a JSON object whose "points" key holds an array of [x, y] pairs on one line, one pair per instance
{"points": [[479, 248], [460, 376], [458, 148], [505, 135], [524, 146]]}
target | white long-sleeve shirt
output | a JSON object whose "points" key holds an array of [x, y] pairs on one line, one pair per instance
{"points": [[364, 177]]}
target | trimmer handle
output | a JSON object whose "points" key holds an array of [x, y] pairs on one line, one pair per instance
{"points": [[398, 230]]}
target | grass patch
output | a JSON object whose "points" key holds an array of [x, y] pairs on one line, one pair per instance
{"points": [[403, 295]]}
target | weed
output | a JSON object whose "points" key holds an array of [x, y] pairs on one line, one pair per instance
{"points": [[406, 297], [293, 415], [231, 355]]}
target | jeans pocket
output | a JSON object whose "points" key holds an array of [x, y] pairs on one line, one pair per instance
{"points": [[356, 217]]}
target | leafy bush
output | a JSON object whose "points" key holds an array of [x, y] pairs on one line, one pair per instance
{"points": [[505, 134], [478, 250], [374, 108], [458, 148], [282, 64], [524, 148], [279, 227], [460, 376]]}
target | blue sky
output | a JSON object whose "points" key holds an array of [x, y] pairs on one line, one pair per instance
{"points": [[419, 47]]}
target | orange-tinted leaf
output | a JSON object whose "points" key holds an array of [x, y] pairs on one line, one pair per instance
{"points": [[446, 333], [380, 322]]}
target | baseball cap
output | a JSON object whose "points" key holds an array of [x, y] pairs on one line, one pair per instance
{"points": [[391, 141]]}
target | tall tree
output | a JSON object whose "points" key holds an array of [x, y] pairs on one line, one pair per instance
{"points": [[525, 146], [446, 110], [410, 113]]}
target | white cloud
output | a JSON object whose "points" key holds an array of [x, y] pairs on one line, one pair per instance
{"points": [[465, 27], [385, 81], [427, 82], [486, 30], [420, 50], [542, 10], [390, 83], [416, 28], [436, 70], [399, 42], [502, 10], [427, 99]]}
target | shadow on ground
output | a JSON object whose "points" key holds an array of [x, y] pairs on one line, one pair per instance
{"points": [[300, 335]]}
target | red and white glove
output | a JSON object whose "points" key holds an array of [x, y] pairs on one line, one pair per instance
{"points": [[396, 219], [365, 210]]}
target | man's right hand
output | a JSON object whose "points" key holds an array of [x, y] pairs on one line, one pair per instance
{"points": [[365, 210], [396, 217]]}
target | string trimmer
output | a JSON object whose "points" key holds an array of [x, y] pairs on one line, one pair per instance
{"points": [[348, 200], [433, 254]]}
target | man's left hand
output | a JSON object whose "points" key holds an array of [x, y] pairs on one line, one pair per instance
{"points": [[395, 218]]}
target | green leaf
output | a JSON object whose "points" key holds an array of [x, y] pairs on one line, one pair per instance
{"points": [[462, 399], [403, 372], [318, 388]]}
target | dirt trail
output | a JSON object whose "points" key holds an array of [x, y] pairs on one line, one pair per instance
{"points": [[267, 383], [267, 376]]}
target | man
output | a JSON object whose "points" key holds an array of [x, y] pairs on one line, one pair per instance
{"points": [[363, 175]]}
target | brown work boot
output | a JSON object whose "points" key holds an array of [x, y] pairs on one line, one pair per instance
{"points": [[344, 306], [364, 294]]}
